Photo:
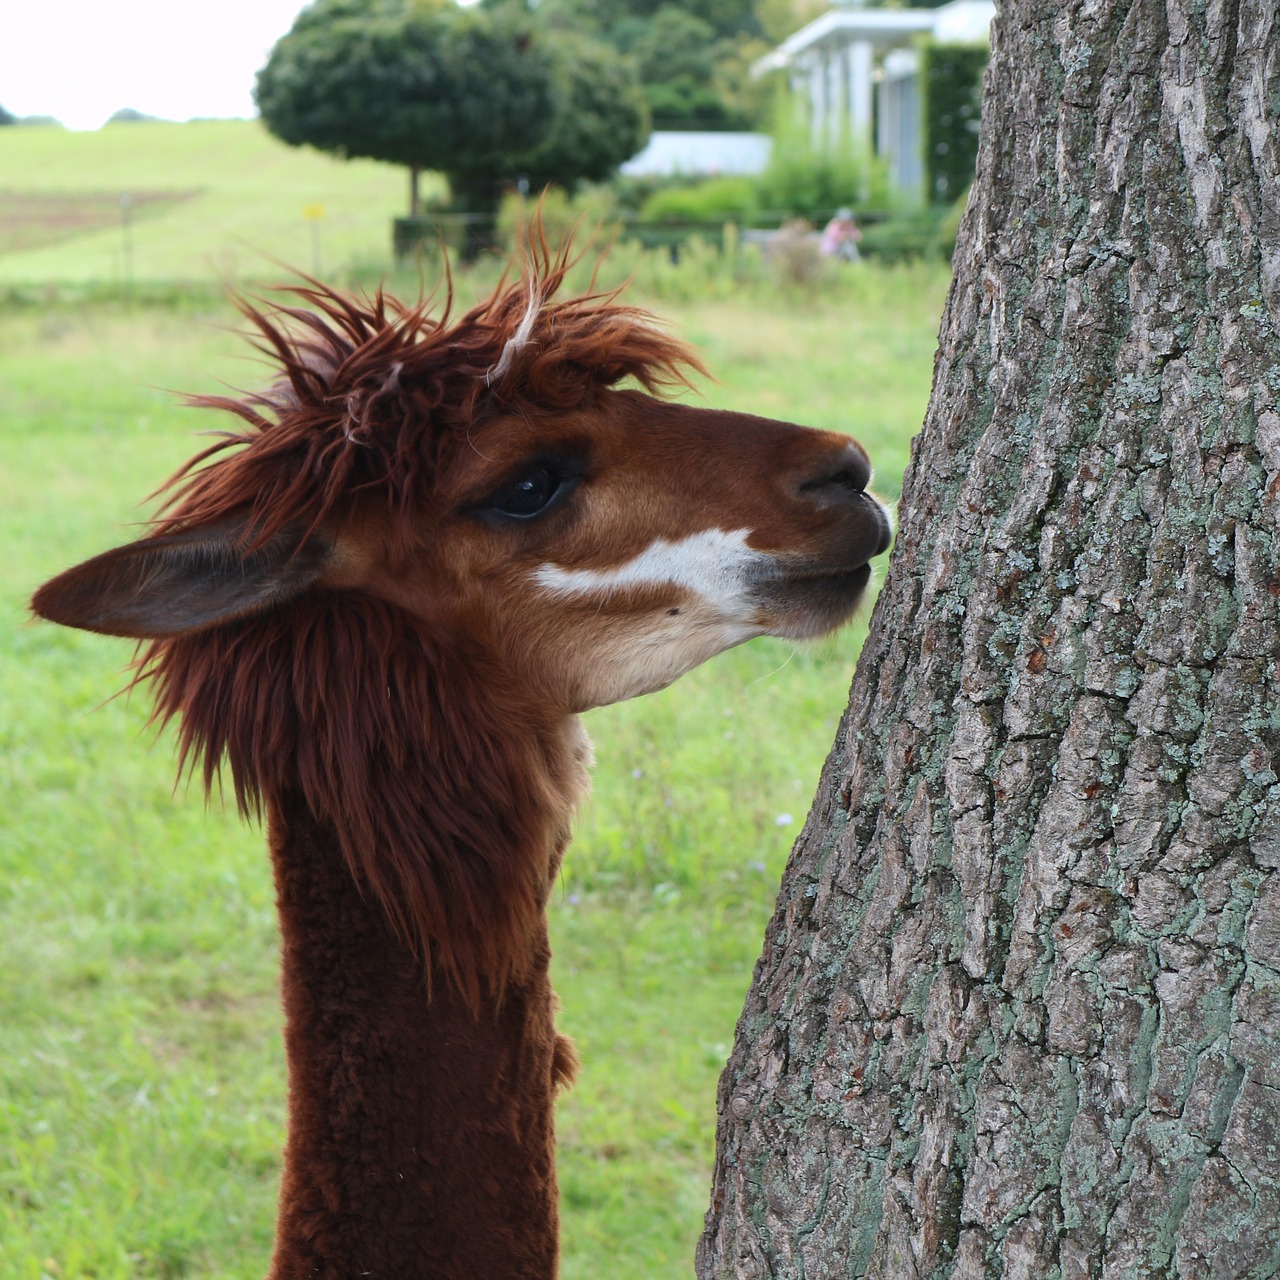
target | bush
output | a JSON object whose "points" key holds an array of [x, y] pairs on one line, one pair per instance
{"points": [[715, 200], [807, 179], [951, 79], [590, 217], [794, 255], [928, 233]]}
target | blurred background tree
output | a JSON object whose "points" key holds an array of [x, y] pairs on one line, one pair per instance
{"points": [[603, 118], [693, 59], [424, 85], [484, 96]]}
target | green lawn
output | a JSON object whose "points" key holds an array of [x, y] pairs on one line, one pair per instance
{"points": [[211, 201], [141, 1072]]}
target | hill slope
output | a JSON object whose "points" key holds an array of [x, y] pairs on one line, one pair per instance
{"points": [[210, 199]]}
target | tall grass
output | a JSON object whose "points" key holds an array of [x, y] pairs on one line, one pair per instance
{"points": [[141, 1071]]}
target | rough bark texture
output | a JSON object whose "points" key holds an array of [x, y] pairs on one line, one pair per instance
{"points": [[1018, 1013]]}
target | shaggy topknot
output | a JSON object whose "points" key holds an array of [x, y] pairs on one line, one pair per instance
{"points": [[373, 393]]}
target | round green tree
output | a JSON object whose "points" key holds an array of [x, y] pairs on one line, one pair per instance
{"points": [[603, 118], [427, 85]]}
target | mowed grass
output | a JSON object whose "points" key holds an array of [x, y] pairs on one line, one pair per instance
{"points": [[212, 200], [141, 1068]]}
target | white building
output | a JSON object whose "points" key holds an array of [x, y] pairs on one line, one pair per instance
{"points": [[692, 153], [841, 60]]}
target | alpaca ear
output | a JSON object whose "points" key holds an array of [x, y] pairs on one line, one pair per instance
{"points": [[183, 582]]}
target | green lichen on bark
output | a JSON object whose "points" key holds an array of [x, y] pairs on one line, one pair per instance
{"points": [[1019, 1011]]}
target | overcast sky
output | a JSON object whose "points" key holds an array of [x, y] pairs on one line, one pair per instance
{"points": [[81, 60]]}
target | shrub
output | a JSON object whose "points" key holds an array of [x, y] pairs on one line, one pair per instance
{"points": [[794, 256], [951, 79], [589, 216], [913, 234], [715, 200], [802, 177]]}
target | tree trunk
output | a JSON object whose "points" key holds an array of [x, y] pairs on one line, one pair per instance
{"points": [[476, 197], [415, 199], [1018, 1013]]}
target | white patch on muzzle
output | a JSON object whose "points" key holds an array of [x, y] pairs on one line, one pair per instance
{"points": [[716, 566]]}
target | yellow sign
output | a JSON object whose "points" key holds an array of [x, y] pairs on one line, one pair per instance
{"points": [[313, 212]]}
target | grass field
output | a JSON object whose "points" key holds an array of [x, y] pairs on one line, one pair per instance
{"points": [[210, 201], [141, 1070]]}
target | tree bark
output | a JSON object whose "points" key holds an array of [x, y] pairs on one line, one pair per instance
{"points": [[1018, 1012]]}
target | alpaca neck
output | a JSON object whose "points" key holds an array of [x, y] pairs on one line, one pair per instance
{"points": [[420, 1139]]}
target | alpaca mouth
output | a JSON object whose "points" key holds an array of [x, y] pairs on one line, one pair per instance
{"points": [[838, 588], [881, 534], [805, 607], [884, 521], [840, 572]]}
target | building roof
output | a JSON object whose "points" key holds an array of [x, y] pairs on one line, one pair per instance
{"points": [[961, 21], [701, 153]]}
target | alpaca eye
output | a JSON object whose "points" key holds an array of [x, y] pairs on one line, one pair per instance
{"points": [[527, 496]]}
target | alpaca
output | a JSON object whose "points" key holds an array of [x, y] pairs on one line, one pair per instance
{"points": [[381, 602]]}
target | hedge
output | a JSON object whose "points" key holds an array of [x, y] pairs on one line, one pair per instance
{"points": [[951, 80]]}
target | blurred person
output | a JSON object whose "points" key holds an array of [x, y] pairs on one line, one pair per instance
{"points": [[840, 237]]}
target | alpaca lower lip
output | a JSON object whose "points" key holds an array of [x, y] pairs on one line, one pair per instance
{"points": [[804, 608], [811, 590], [856, 577], [854, 580]]}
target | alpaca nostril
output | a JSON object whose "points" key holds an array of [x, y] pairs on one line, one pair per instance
{"points": [[851, 476], [848, 478]]}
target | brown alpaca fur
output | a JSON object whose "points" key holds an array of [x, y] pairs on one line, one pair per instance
{"points": [[345, 603], [356, 1015], [377, 398], [416, 753], [374, 402]]}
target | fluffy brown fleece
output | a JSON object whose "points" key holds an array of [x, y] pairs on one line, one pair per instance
{"points": [[430, 763], [421, 1131], [433, 772]]}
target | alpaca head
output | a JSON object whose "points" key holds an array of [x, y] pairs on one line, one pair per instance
{"points": [[430, 540]]}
